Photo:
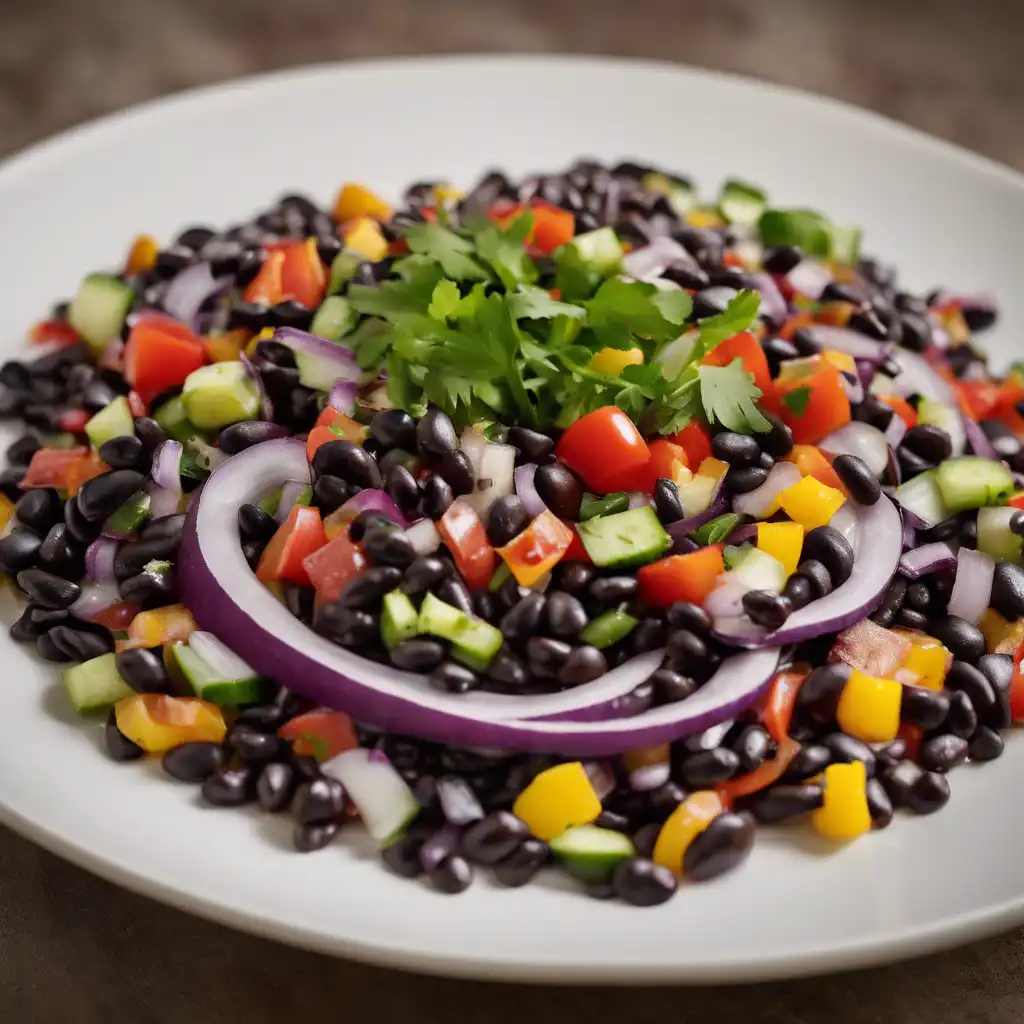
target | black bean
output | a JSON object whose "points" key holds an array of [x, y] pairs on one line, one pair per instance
{"points": [[986, 744], [742, 481], [666, 501], [118, 746], [39, 509], [229, 787], [647, 635], [308, 838], [918, 597], [394, 428], [418, 654], [892, 602], [143, 669], [643, 883], [879, 805], [805, 342], [367, 520], [777, 442], [811, 759], [47, 648], [929, 442], [817, 575], [453, 875], [523, 620], [368, 590], [436, 496], [1008, 590], [912, 465], [19, 550], [707, 768], [426, 572], [79, 528], [275, 785], [966, 678], [610, 590], [520, 866], [564, 614], [669, 686], [583, 665], [828, 546], [783, 802], [255, 524], [998, 669], [847, 749], [928, 794], [546, 654], [48, 590], [457, 470], [738, 450], [559, 489], [253, 746], [454, 592], [402, 488], [389, 547], [507, 518], [711, 301], [102, 496], [450, 677], [193, 762], [350, 627], [923, 707], [820, 692], [507, 669], [132, 558], [166, 528], [752, 746], [81, 644], [724, 845], [943, 752], [493, 838], [962, 718], [572, 576], [899, 780], [435, 433], [766, 608], [402, 855], [531, 444], [348, 460], [319, 801], [781, 259], [910, 619]]}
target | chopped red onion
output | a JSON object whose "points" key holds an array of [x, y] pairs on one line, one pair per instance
{"points": [[726, 600], [757, 502], [602, 777], [773, 305], [895, 431], [909, 535], [860, 439], [926, 559], [96, 596], [741, 534], [977, 440], [853, 386], [111, 358], [342, 396], [678, 530], [371, 500], [167, 465], [189, 289], [649, 776], [458, 802], [290, 492], [972, 588], [918, 378], [266, 406], [652, 260], [99, 558], [526, 491], [423, 536], [853, 343], [438, 845], [809, 278], [494, 475], [637, 499], [320, 362]]}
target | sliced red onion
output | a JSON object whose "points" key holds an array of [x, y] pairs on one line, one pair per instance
{"points": [[163, 501], [977, 439], [342, 396], [895, 431], [909, 535], [649, 776], [637, 499], [167, 465], [227, 600], [602, 777], [748, 531], [860, 439], [684, 545], [757, 502], [881, 533], [918, 378], [189, 289], [972, 588], [290, 492], [678, 530], [708, 739], [853, 386], [810, 279], [494, 472], [853, 343], [96, 596], [320, 362], [652, 260], [370, 499], [926, 559], [459, 803], [99, 558], [423, 536], [845, 521], [726, 600], [438, 845], [383, 798], [773, 305], [266, 405], [526, 491]]}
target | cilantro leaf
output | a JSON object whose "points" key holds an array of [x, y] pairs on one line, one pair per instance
{"points": [[444, 300], [506, 254], [574, 276], [796, 400], [728, 394], [370, 341], [530, 303], [394, 299], [622, 310], [737, 316], [452, 251]]}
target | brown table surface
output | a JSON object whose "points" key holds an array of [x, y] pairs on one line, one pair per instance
{"points": [[76, 949]]}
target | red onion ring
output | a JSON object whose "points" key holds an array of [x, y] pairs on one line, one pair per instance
{"points": [[526, 490]]}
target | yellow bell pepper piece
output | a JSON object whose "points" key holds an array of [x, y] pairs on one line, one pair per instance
{"points": [[157, 722], [142, 255], [363, 235], [869, 708], [6, 513], [226, 347], [556, 800], [614, 360], [844, 814], [355, 200], [783, 541], [811, 503], [683, 825], [1001, 637], [704, 219], [840, 360], [927, 659], [445, 193], [161, 626]]}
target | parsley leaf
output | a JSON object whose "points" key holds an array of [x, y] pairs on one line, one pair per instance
{"points": [[796, 400], [505, 251], [622, 310], [452, 251], [574, 277], [737, 316], [445, 299], [531, 303], [728, 394]]}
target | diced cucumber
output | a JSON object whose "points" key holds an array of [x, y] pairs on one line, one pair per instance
{"points": [[220, 394], [601, 249], [99, 308], [173, 417], [844, 243], [270, 502], [608, 628], [216, 673], [132, 514], [922, 498], [973, 482], [473, 641], [95, 684], [334, 319], [733, 555], [945, 417], [113, 420], [696, 495], [995, 537], [625, 539], [757, 570], [399, 619], [741, 203], [591, 853], [343, 269]]}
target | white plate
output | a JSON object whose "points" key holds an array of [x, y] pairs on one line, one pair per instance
{"points": [[73, 204]]}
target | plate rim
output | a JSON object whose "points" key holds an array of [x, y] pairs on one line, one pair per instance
{"points": [[907, 942]]}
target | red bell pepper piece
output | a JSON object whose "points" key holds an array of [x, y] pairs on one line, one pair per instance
{"points": [[322, 732], [55, 331], [298, 536], [761, 778], [901, 407], [73, 420], [303, 274], [49, 467], [552, 226], [329, 568], [538, 549], [268, 285], [827, 407], [695, 440], [466, 538], [603, 446], [160, 353], [681, 577], [779, 702]]}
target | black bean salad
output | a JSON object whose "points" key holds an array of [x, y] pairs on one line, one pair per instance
{"points": [[570, 521]]}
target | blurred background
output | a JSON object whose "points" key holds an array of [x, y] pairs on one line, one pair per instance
{"points": [[942, 65]]}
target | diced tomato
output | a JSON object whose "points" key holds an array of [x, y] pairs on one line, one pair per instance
{"points": [[298, 536], [779, 701], [268, 285], [812, 461], [505, 212], [602, 446], [744, 347], [1017, 501], [764, 776], [695, 440], [552, 226], [73, 420], [681, 577], [538, 549], [575, 552], [1017, 686], [466, 538], [322, 732], [901, 407], [978, 397], [117, 617], [159, 354], [49, 467], [827, 407], [57, 332], [304, 275], [329, 568], [667, 459]]}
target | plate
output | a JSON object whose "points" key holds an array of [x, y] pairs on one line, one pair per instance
{"points": [[74, 203]]}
